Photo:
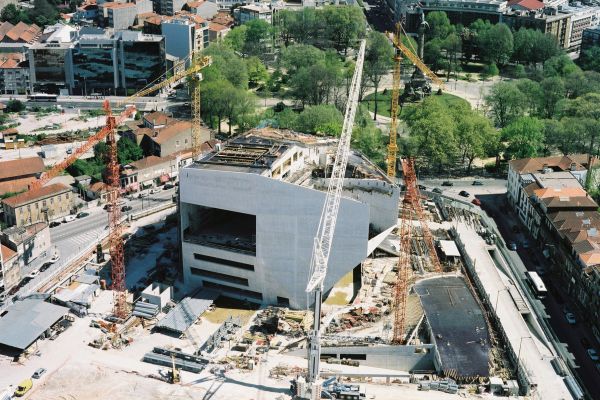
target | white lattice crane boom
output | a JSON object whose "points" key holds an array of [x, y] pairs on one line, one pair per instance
{"points": [[324, 238]]}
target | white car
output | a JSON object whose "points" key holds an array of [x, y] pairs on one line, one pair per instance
{"points": [[55, 258], [69, 218], [571, 318], [34, 273]]}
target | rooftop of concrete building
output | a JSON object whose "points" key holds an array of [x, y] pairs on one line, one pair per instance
{"points": [[574, 162], [258, 150], [18, 235]]}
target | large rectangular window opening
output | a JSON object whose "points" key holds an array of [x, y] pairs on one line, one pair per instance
{"points": [[218, 228], [217, 275], [232, 290], [221, 261]]}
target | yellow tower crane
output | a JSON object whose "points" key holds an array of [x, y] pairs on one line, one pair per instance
{"points": [[401, 49]]}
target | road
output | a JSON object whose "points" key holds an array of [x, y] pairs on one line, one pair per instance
{"points": [[70, 240], [557, 299]]}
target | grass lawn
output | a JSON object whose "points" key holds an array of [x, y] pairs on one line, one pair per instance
{"points": [[384, 102]]}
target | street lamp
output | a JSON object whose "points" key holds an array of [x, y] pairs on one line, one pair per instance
{"points": [[519, 354], [497, 297]]}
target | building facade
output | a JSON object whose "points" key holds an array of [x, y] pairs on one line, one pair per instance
{"points": [[590, 37], [49, 203], [251, 235], [17, 175], [249, 12], [29, 242], [558, 212]]}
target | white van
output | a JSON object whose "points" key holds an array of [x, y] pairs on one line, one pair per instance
{"points": [[69, 218]]}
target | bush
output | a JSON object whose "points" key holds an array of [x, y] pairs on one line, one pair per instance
{"points": [[15, 106]]}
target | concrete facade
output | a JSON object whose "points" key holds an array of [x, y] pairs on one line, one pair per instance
{"points": [[414, 359], [30, 242], [158, 293], [249, 231]]}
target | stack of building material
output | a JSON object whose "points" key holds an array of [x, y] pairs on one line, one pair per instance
{"points": [[145, 310]]}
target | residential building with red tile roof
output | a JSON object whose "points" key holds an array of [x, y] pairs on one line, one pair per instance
{"points": [[171, 138], [19, 33], [42, 205]]}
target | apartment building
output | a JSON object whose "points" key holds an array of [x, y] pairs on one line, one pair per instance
{"points": [[49, 203], [149, 172], [548, 195], [249, 12]]}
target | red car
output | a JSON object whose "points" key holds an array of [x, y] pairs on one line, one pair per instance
{"points": [[477, 202]]}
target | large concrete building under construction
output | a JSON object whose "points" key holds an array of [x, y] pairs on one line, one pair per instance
{"points": [[250, 210]]}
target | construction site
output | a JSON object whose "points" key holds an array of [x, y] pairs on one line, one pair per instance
{"points": [[292, 268]]}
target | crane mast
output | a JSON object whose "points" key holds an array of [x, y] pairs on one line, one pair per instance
{"points": [[324, 238]]}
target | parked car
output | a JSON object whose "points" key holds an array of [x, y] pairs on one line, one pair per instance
{"points": [[571, 318], [447, 183], [54, 224], [155, 190], [38, 373], [593, 354], [477, 183], [437, 190], [55, 258], [14, 290], [126, 208], [422, 187], [69, 218], [25, 281], [3, 297], [82, 215], [45, 266], [463, 193], [144, 194], [23, 387], [34, 273], [168, 186], [477, 202], [512, 246]]}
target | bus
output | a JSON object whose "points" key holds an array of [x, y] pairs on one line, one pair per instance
{"points": [[42, 97], [536, 283]]}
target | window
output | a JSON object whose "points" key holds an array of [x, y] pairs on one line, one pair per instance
{"points": [[217, 275], [186, 141], [51, 200], [235, 264], [28, 207], [177, 143], [283, 301], [233, 290], [37, 206]]}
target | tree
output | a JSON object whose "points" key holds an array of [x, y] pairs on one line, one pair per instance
{"points": [[378, 61], [257, 72], [432, 130], [496, 44], [452, 47], [589, 59], [553, 90], [561, 136], [15, 106], [315, 84], [259, 37], [474, 135], [236, 38], [301, 26], [533, 95], [524, 138], [369, 141], [320, 119], [489, 70], [226, 65], [101, 152], [545, 47], [236, 103], [43, 13], [343, 26], [584, 113], [560, 65], [524, 42], [506, 103], [128, 151], [439, 25], [10, 13], [432, 53], [298, 56]]}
